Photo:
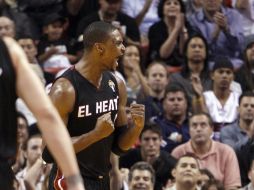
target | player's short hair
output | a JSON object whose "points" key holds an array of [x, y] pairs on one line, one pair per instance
{"points": [[97, 32]]}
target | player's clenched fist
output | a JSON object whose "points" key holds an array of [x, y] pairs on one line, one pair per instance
{"points": [[104, 126], [138, 114]]}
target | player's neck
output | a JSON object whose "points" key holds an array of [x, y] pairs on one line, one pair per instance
{"points": [[90, 72]]}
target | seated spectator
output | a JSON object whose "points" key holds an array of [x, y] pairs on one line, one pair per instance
{"points": [[167, 36], [110, 12], [22, 137], [174, 121], [218, 158], [132, 70], [221, 102], [240, 132], [196, 53], [53, 49], [7, 27], [157, 79], [149, 151], [245, 75], [186, 173], [220, 27], [34, 173], [141, 176]]}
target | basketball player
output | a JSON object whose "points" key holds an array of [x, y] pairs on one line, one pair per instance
{"points": [[17, 79], [91, 101]]}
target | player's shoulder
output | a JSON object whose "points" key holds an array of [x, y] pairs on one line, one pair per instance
{"points": [[62, 87]]}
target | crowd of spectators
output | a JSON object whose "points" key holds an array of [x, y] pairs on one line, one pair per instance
{"points": [[191, 63]]}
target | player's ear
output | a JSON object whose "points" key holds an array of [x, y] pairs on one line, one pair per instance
{"points": [[100, 48]]}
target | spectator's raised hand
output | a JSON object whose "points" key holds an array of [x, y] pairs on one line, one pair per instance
{"points": [[125, 174], [135, 66], [34, 174], [20, 160], [148, 3], [221, 20], [179, 22], [196, 85]]}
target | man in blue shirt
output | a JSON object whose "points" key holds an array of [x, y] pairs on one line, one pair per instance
{"points": [[222, 29], [240, 132], [174, 122], [157, 80]]}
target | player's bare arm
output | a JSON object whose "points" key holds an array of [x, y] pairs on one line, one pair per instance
{"points": [[62, 94], [130, 136]]}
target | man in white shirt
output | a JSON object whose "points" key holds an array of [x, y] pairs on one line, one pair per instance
{"points": [[220, 102]]}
